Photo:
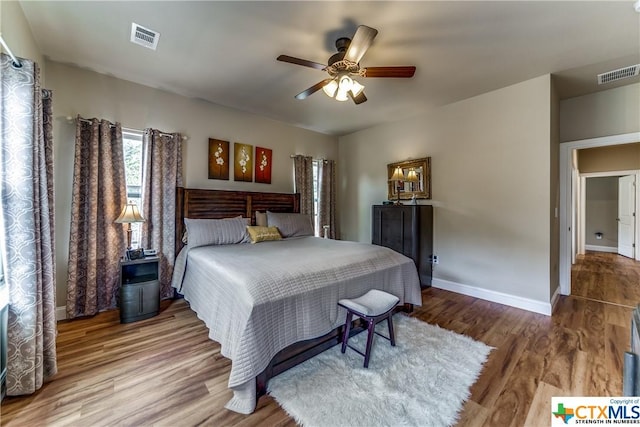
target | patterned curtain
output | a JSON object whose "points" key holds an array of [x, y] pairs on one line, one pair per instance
{"points": [[161, 174], [26, 187], [303, 176], [327, 196], [96, 243]]}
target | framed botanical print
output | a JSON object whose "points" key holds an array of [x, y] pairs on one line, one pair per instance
{"points": [[263, 165], [242, 162], [218, 159]]}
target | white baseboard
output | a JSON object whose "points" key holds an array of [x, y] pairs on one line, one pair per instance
{"points": [[494, 296], [601, 248], [61, 313]]}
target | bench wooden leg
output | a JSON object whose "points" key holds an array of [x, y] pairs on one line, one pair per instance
{"points": [[392, 337], [347, 330], [372, 328]]}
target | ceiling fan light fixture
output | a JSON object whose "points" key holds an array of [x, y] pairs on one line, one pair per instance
{"points": [[345, 83], [341, 95], [340, 87], [330, 88], [356, 88]]}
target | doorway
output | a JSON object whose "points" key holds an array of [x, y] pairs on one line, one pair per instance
{"points": [[606, 220], [605, 269], [568, 207], [627, 216]]}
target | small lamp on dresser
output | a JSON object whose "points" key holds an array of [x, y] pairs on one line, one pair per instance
{"points": [[412, 178], [129, 215], [396, 178]]}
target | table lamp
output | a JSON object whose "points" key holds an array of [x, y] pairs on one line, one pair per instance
{"points": [[130, 213], [412, 177], [398, 176]]}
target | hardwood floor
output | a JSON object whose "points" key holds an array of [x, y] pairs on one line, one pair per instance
{"points": [[165, 371], [606, 277]]}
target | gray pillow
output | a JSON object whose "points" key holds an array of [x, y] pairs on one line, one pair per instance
{"points": [[291, 224], [226, 231]]}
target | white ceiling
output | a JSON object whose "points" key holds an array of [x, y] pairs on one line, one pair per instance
{"points": [[225, 52]]}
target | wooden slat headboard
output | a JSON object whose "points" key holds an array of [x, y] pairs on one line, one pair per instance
{"points": [[216, 204]]}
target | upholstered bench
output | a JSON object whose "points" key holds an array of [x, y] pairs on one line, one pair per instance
{"points": [[372, 307]]}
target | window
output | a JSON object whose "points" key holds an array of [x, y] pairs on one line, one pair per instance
{"points": [[132, 145]]}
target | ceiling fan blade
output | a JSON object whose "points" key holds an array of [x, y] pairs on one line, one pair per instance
{"points": [[303, 62], [361, 41], [359, 99], [316, 87], [389, 71]]}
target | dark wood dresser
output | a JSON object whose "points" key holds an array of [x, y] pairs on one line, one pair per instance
{"points": [[407, 229]]}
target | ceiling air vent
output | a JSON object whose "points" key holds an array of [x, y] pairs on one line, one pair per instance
{"points": [[144, 36], [622, 73]]}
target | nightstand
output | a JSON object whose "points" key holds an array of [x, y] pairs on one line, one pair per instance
{"points": [[139, 289]]}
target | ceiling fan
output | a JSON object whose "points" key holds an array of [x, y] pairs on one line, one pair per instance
{"points": [[346, 63]]}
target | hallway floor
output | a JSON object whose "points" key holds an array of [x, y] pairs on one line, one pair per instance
{"points": [[606, 277]]}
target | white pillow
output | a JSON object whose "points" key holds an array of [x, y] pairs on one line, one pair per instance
{"points": [[225, 231], [291, 224], [261, 219]]}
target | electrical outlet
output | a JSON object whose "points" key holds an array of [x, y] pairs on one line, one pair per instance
{"points": [[434, 259]]}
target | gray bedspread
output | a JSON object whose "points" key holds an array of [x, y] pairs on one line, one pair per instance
{"points": [[257, 299]]}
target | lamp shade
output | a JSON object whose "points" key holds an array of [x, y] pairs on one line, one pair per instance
{"points": [[341, 95], [330, 88], [398, 175], [412, 176], [356, 88], [130, 213], [345, 83]]}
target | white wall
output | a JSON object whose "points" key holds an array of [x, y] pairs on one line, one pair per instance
{"points": [[490, 160], [610, 112], [77, 91]]}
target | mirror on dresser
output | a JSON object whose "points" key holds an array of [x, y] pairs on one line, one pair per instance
{"points": [[415, 180]]}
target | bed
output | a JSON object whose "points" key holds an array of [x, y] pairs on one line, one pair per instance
{"points": [[272, 305]]}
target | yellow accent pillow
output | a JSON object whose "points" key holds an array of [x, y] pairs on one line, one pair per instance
{"points": [[262, 234]]}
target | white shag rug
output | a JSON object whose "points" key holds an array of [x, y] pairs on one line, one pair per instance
{"points": [[422, 381]]}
